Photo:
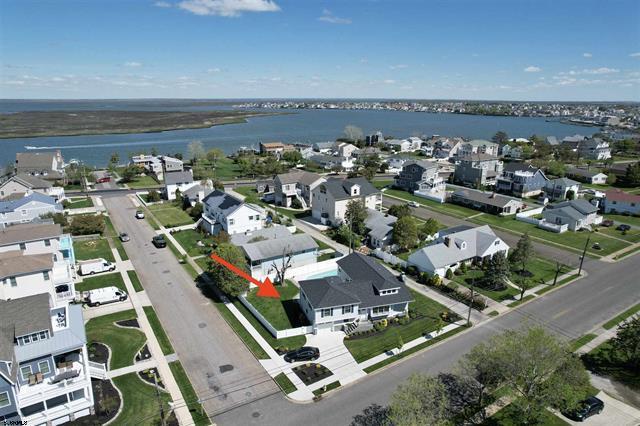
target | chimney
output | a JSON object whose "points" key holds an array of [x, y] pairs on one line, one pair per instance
{"points": [[447, 241]]}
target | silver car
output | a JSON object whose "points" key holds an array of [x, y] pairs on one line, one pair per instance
{"points": [[124, 237]]}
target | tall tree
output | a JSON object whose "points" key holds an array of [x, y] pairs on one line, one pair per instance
{"points": [[497, 273], [355, 216], [228, 282], [626, 344], [632, 174], [428, 228], [196, 151], [353, 133], [482, 367], [405, 233], [292, 157], [500, 137], [373, 415], [523, 252], [399, 210], [213, 155], [421, 400]]}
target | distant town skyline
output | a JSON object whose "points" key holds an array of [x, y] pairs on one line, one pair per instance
{"points": [[401, 49]]}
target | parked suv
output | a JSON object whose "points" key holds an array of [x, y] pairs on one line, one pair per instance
{"points": [[305, 353], [587, 408], [159, 241], [139, 214]]}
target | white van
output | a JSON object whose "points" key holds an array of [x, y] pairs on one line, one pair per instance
{"points": [[105, 295], [93, 266]]}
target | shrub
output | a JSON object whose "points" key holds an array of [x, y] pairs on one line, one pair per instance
{"points": [[457, 272], [449, 274], [412, 270], [384, 322], [296, 204], [463, 268], [86, 225], [153, 196]]}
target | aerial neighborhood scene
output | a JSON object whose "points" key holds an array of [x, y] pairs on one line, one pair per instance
{"points": [[272, 212]]}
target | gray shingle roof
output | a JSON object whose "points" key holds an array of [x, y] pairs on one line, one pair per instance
{"points": [[272, 232], [35, 160], [340, 188], [14, 263], [379, 224], [269, 249], [562, 181], [31, 181], [478, 157], [488, 198], [29, 232], [360, 267], [172, 178], [583, 172], [303, 177], [581, 205]]}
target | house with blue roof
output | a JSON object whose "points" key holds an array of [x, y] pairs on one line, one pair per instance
{"points": [[27, 209]]}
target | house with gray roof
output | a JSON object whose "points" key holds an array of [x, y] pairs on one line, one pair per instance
{"points": [[521, 179], [297, 184], [38, 238], [18, 186], [489, 202], [379, 228], [196, 193], [224, 212], [269, 249], [591, 176], [557, 189], [456, 246], [576, 214], [362, 291], [477, 170], [45, 374], [27, 209], [48, 165], [414, 173], [330, 198], [478, 146], [178, 181]]}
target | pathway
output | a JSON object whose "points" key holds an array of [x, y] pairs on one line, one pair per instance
{"points": [[138, 366]]}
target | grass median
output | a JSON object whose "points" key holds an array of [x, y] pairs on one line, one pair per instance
{"points": [[158, 330], [621, 317], [189, 395]]}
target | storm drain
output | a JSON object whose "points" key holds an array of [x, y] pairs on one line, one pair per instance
{"points": [[255, 414], [155, 262], [226, 367], [203, 325], [169, 283], [166, 271]]}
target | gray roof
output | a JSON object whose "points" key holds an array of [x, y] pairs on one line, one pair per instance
{"points": [[193, 192], [574, 138], [272, 232], [479, 156], [566, 211], [364, 268], [481, 142], [552, 140], [274, 248], [14, 263], [584, 172], [581, 205], [422, 163], [29, 232], [227, 203], [12, 205], [489, 198], [31, 181], [562, 181], [298, 176], [379, 224], [35, 160], [517, 166], [340, 188], [327, 292], [172, 178]]}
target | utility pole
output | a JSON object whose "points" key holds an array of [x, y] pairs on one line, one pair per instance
{"points": [[470, 304], [155, 385], [558, 268], [584, 253]]}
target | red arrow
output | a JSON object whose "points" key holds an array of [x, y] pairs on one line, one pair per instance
{"points": [[265, 289]]}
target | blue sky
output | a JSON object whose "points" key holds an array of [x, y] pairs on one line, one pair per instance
{"points": [[460, 49]]}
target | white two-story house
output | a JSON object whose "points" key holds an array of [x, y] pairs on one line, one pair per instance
{"points": [[298, 184], [178, 181], [27, 209], [331, 198], [38, 238], [362, 291], [225, 212], [24, 184]]}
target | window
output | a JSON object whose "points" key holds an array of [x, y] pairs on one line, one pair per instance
{"points": [[79, 394], [13, 281], [32, 409], [26, 339], [44, 335], [34, 337], [47, 243], [347, 309], [231, 221], [4, 399], [56, 401], [496, 242], [24, 212], [45, 275], [380, 310], [25, 371], [326, 312], [44, 367], [23, 246], [250, 217]]}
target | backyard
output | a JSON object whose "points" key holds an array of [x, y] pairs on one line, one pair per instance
{"points": [[92, 249], [427, 320], [101, 281], [170, 215], [124, 342], [282, 313], [140, 401]]}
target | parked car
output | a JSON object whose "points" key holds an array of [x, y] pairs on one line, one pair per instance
{"points": [[95, 266], [105, 295], [587, 408], [159, 241], [139, 214], [104, 179], [596, 246], [124, 237], [414, 204], [623, 227], [607, 223], [305, 353]]}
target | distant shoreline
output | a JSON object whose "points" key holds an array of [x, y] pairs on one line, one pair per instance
{"points": [[41, 124]]}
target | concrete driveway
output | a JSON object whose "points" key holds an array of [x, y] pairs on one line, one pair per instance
{"points": [[615, 413], [222, 371]]}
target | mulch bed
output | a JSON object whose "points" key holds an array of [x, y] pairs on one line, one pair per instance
{"points": [[144, 354], [129, 323], [147, 376], [311, 373], [98, 352], [103, 390]]}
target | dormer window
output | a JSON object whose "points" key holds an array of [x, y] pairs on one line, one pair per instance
{"points": [[355, 190]]}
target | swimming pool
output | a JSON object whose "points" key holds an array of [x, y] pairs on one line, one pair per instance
{"points": [[330, 273]]}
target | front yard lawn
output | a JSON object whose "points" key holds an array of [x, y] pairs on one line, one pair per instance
{"points": [[143, 182], [621, 317], [189, 238], [619, 218], [124, 342], [509, 416], [446, 208], [428, 317], [140, 401], [78, 203], [476, 276], [382, 183], [542, 270], [92, 249], [101, 281], [633, 235], [170, 215], [282, 313]]}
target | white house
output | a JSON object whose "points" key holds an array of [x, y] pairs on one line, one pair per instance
{"points": [[557, 189], [24, 184], [27, 209], [594, 177], [297, 184], [38, 238], [158, 164], [576, 214], [478, 146], [455, 246], [329, 162], [403, 145], [330, 198], [363, 291], [223, 211], [395, 163], [379, 228], [174, 181], [344, 149], [619, 202]]}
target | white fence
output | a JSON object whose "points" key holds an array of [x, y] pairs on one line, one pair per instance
{"points": [[97, 370], [389, 258], [543, 224], [278, 334], [527, 217], [299, 273], [439, 197]]}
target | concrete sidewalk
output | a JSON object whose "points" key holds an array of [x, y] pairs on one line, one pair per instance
{"points": [[138, 366], [111, 308]]}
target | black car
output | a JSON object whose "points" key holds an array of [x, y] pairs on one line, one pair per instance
{"points": [[305, 353], [159, 241], [623, 227], [587, 408]]}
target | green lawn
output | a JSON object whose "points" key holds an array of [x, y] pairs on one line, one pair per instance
{"points": [[428, 312], [170, 215], [582, 340], [282, 313], [123, 342], [627, 253], [604, 362], [508, 416], [143, 182], [575, 240], [285, 384], [446, 208], [92, 249], [111, 233], [225, 168], [325, 256], [542, 269], [251, 196], [140, 401], [321, 244], [188, 240], [476, 274], [633, 235], [163, 339], [79, 203], [135, 281], [621, 317], [100, 281], [189, 394], [382, 183]]}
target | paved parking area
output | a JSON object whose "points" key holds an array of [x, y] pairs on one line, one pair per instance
{"points": [[615, 413]]}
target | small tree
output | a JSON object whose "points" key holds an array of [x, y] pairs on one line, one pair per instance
{"points": [[571, 194], [196, 151], [353, 133], [213, 155], [153, 196], [355, 216], [405, 233], [523, 252], [500, 137], [523, 284], [399, 210], [421, 400], [129, 173], [397, 338], [497, 272], [449, 274], [429, 228], [227, 281], [626, 344], [196, 211], [282, 265]]}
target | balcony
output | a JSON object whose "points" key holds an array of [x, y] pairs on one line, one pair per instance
{"points": [[67, 378]]}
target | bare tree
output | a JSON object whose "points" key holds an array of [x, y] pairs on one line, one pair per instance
{"points": [[281, 269], [354, 133]]}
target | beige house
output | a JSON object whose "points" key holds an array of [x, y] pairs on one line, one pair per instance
{"points": [[330, 198], [298, 184], [24, 184]]}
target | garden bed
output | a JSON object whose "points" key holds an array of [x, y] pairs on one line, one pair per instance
{"points": [[124, 342], [98, 353], [144, 354], [106, 404], [140, 403], [129, 323], [151, 376], [310, 372]]}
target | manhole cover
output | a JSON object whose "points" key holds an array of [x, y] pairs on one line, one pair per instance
{"points": [[222, 397], [203, 325], [155, 262], [248, 394], [255, 414], [166, 271], [226, 367], [168, 283]]}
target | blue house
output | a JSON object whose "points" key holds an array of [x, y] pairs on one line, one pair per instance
{"points": [[521, 180]]}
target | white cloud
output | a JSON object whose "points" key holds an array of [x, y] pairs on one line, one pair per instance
{"points": [[398, 67], [587, 55], [389, 81], [591, 71], [635, 55], [532, 68], [164, 4], [330, 18], [133, 64], [227, 8], [213, 70]]}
